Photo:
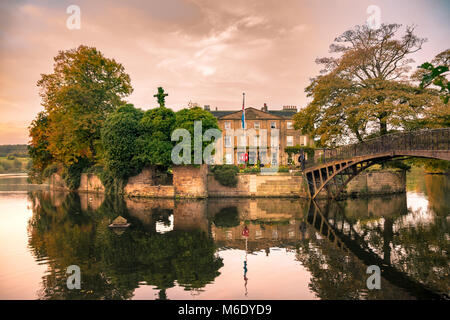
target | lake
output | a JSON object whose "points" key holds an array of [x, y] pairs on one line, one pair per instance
{"points": [[234, 248]]}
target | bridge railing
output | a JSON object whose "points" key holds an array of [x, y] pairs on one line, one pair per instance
{"points": [[432, 139]]}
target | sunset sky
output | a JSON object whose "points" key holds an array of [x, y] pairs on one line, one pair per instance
{"points": [[205, 51]]}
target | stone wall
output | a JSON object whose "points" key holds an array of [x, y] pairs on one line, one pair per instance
{"points": [[257, 185], [143, 185], [90, 183], [195, 182], [377, 183], [190, 181], [56, 182]]}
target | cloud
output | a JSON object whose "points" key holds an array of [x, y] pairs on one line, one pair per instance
{"points": [[200, 50]]}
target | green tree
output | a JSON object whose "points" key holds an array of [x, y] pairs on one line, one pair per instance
{"points": [[161, 97], [83, 89], [38, 146], [363, 92], [154, 143], [118, 135], [435, 73], [186, 118]]}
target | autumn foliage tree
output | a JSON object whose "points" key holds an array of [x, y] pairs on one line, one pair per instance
{"points": [[364, 90], [77, 96]]}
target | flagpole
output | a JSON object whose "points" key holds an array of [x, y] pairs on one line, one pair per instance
{"points": [[243, 127]]}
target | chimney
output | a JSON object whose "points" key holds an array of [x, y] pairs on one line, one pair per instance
{"points": [[290, 108], [206, 107], [264, 108]]}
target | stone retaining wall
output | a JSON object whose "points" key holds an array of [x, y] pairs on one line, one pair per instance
{"points": [[195, 182], [377, 183], [257, 185]]}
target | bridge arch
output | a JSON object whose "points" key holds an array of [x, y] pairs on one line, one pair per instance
{"points": [[342, 164]]}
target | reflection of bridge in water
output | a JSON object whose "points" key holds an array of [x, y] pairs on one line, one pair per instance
{"points": [[334, 226]]}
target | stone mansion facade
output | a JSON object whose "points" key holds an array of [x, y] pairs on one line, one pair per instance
{"points": [[259, 120]]}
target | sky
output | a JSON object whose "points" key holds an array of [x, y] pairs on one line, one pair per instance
{"points": [[205, 51]]}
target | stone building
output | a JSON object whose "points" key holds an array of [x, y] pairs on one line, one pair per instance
{"points": [[264, 123]]}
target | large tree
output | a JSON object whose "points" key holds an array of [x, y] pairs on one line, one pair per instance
{"points": [[83, 89], [119, 134], [154, 143], [363, 90]]}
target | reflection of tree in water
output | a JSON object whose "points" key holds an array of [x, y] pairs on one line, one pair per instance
{"points": [[438, 193], [112, 265], [419, 250], [227, 217], [339, 275]]}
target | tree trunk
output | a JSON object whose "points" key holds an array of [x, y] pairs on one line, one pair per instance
{"points": [[383, 126]]}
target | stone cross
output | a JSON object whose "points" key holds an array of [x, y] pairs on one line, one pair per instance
{"points": [[161, 97]]}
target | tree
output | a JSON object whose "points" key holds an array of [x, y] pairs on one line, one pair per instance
{"points": [[154, 143], [364, 91], [38, 146], [161, 97], [437, 74], [82, 90], [186, 118], [118, 135]]}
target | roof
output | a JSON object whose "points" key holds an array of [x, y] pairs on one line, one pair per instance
{"points": [[253, 114]]}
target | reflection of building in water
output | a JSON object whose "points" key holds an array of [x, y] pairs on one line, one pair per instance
{"points": [[269, 209], [262, 236], [161, 214], [271, 222]]}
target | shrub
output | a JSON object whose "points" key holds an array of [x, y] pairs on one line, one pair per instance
{"points": [[11, 157], [254, 169], [72, 174], [49, 170], [283, 169], [294, 150], [226, 174]]}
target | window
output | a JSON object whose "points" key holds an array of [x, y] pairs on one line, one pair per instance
{"points": [[227, 125], [289, 125], [240, 156], [256, 125], [303, 140], [228, 141], [262, 156], [274, 141], [273, 125], [229, 158], [255, 141], [243, 141], [274, 158], [289, 141], [252, 157]]}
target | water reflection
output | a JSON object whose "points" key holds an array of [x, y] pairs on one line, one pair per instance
{"points": [[186, 244]]}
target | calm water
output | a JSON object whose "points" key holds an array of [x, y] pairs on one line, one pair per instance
{"points": [[195, 249]]}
